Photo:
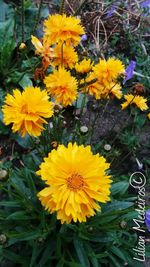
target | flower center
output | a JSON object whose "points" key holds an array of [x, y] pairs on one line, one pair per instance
{"points": [[24, 109], [75, 182]]}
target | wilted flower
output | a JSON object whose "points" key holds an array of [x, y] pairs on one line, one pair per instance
{"points": [[62, 86], [137, 100], [129, 70], [60, 29], [76, 180], [27, 110], [42, 49]]}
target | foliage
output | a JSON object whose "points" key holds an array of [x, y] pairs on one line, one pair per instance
{"points": [[29, 235]]}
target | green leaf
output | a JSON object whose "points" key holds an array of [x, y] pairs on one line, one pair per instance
{"points": [[81, 253], [118, 252], [18, 215], [118, 205], [25, 81], [120, 187]]}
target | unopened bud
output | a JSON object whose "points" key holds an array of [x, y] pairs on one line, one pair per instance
{"points": [[3, 239], [22, 46], [3, 174], [107, 147], [84, 129]]}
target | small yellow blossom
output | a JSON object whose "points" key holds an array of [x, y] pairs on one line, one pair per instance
{"points": [[108, 70], [137, 100], [62, 86], [148, 115], [84, 66], [64, 55]]}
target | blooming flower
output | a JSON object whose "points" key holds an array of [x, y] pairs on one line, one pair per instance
{"points": [[129, 70], [84, 37], [76, 179], [111, 11], [108, 70], [147, 221], [145, 4], [62, 86], [139, 101], [84, 66], [60, 29], [26, 111], [65, 55]]}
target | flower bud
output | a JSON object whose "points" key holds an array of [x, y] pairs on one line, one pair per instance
{"points": [[83, 129], [22, 46], [3, 174], [3, 239], [107, 147]]}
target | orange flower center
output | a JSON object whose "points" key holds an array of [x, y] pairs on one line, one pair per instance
{"points": [[75, 182], [24, 109]]}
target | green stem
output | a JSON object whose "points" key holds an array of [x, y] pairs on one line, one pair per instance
{"points": [[80, 8], [62, 6], [38, 15], [62, 55], [22, 20]]}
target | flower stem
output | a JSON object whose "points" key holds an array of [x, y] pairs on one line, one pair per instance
{"points": [[38, 15], [22, 20], [62, 6]]}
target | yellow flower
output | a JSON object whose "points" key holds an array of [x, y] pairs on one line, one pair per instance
{"points": [[108, 70], [76, 180], [26, 110], [139, 101], [148, 115], [44, 50], [60, 29], [67, 59], [84, 66], [62, 86], [110, 88], [94, 88]]}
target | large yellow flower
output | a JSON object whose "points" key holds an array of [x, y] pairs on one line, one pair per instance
{"points": [[76, 181], [84, 66], [108, 70], [60, 29], [65, 55], [139, 101], [62, 86], [26, 110]]}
